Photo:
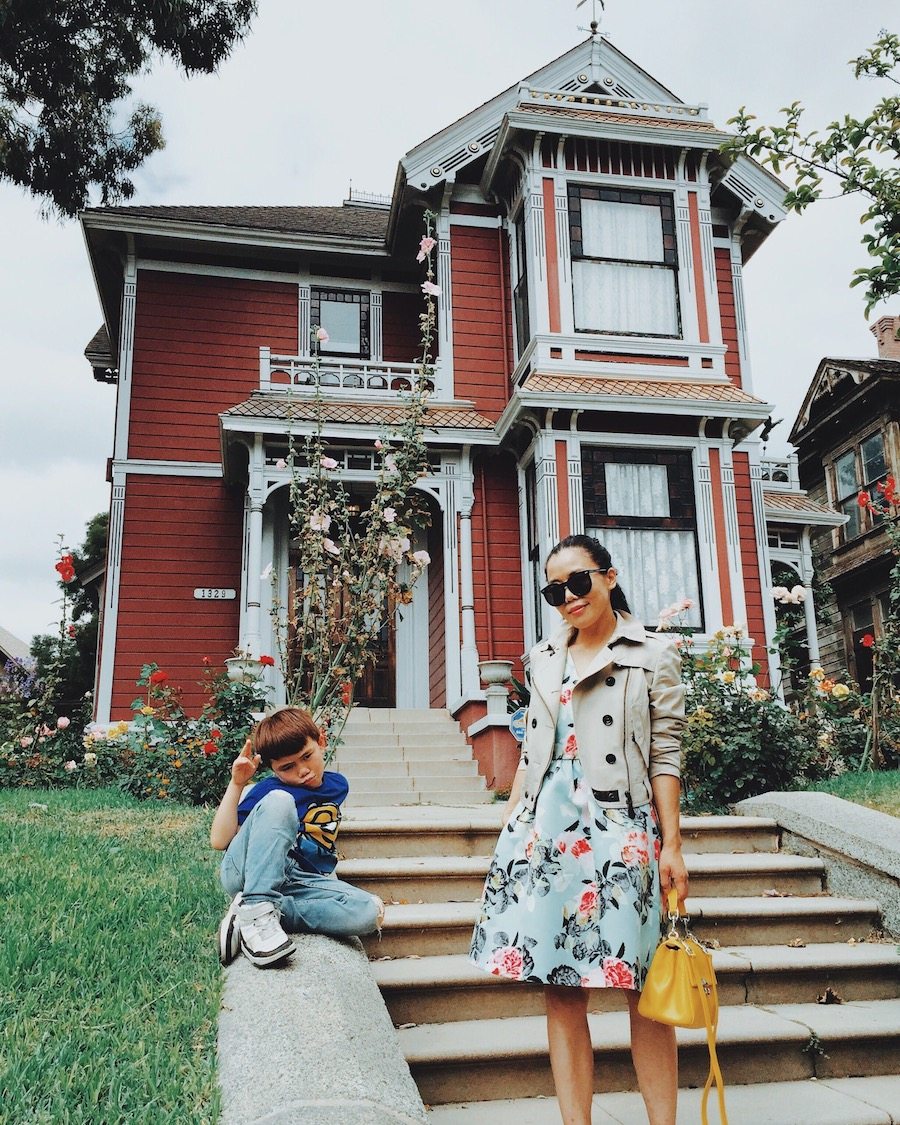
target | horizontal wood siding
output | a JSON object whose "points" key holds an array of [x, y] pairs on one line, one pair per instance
{"points": [[437, 633], [196, 353], [496, 561], [756, 586], [400, 327], [179, 533], [728, 317], [479, 319]]}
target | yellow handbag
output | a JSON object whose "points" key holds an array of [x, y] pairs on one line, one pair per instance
{"points": [[680, 990]]}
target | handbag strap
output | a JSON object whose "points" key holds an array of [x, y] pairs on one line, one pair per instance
{"points": [[712, 1024]]}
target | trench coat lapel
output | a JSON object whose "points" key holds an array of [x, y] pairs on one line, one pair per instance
{"points": [[548, 666]]}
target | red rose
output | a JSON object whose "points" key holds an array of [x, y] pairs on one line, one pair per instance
{"points": [[864, 499], [571, 747], [617, 973], [71, 630], [346, 693], [635, 850], [657, 848], [267, 661], [580, 847], [867, 641], [588, 901], [210, 748], [565, 695], [215, 733], [206, 661], [507, 962], [158, 677]]}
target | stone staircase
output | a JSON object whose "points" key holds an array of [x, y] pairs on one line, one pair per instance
{"points": [[476, 1045], [408, 758]]}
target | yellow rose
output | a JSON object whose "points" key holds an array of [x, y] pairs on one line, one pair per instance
{"points": [[148, 711], [840, 691], [817, 674], [728, 677]]}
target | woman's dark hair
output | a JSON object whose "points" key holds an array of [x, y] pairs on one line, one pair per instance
{"points": [[602, 560]]}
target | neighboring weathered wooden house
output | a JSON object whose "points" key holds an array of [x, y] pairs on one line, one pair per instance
{"points": [[847, 435]]}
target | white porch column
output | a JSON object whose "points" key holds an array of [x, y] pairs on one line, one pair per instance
{"points": [[471, 684], [256, 493], [809, 608]]}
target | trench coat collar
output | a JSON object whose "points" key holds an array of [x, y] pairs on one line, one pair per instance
{"points": [[549, 660]]}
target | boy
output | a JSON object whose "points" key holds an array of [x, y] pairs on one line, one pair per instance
{"points": [[280, 837]]}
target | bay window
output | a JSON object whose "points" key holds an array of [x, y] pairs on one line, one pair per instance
{"points": [[624, 261], [640, 504], [856, 470]]}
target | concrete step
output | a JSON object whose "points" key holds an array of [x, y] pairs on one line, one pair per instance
{"points": [[460, 878], [467, 831], [407, 767], [783, 1043], [833, 1101], [465, 783], [381, 715], [426, 799], [392, 752], [442, 927], [444, 989]]}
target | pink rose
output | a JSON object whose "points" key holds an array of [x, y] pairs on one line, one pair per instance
{"points": [[69, 766], [62, 722], [617, 973], [636, 849], [26, 742], [507, 962], [379, 444]]}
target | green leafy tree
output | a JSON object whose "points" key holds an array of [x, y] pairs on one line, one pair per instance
{"points": [[860, 156], [66, 68], [69, 658]]}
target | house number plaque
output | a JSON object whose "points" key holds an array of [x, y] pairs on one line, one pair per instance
{"points": [[214, 594]]}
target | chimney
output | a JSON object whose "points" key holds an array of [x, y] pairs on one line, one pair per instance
{"points": [[885, 331]]}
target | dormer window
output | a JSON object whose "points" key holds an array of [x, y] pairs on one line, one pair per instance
{"points": [[344, 314], [624, 261]]}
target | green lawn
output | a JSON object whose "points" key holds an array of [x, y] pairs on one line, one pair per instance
{"points": [[109, 980], [876, 789]]}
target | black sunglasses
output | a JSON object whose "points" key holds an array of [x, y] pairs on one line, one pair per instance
{"points": [[579, 583]]}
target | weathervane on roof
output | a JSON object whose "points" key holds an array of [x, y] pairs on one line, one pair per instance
{"points": [[595, 23]]}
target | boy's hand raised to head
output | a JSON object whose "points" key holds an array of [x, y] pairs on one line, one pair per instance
{"points": [[245, 765]]}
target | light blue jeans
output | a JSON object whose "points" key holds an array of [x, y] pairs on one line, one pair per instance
{"points": [[257, 865]]}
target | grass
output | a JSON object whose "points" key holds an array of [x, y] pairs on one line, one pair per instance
{"points": [[875, 789], [109, 981]]}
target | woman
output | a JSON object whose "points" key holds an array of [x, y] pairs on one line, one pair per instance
{"points": [[591, 830]]}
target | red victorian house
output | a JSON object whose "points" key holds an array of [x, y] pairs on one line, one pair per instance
{"points": [[593, 375]]}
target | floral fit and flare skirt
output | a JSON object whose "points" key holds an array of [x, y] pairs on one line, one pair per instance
{"points": [[572, 895]]}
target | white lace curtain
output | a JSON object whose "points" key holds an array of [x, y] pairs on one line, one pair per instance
{"points": [[656, 567], [621, 296]]}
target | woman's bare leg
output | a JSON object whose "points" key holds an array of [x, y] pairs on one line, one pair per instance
{"points": [[655, 1059], [571, 1053]]}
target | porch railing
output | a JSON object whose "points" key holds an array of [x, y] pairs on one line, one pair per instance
{"points": [[781, 474]]}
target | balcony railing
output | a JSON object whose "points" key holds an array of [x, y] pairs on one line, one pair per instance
{"points": [[781, 474], [334, 375]]}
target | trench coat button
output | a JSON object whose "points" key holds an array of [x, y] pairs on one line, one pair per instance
{"points": [[611, 758], [534, 722], [607, 720], [610, 681]]}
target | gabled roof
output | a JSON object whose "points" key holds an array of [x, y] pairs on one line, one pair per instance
{"points": [[839, 378], [11, 648]]}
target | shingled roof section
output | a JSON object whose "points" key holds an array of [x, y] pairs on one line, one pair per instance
{"points": [[641, 388], [339, 222], [797, 507], [99, 345], [600, 117], [290, 408]]}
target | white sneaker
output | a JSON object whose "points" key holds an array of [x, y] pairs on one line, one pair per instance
{"points": [[263, 941], [230, 933]]}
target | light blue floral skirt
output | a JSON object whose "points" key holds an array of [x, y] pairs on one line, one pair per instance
{"points": [[572, 895]]}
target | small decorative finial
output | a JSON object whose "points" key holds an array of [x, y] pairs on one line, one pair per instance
{"points": [[595, 23]]}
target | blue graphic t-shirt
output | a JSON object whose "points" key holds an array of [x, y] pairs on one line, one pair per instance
{"points": [[319, 814]]}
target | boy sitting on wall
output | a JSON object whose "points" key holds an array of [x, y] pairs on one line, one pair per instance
{"points": [[279, 839]]}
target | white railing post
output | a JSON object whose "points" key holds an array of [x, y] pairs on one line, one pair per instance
{"points": [[265, 369]]}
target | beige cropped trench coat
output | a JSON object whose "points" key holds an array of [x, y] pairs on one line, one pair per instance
{"points": [[628, 709]]}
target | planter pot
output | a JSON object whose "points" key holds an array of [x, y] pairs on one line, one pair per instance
{"points": [[495, 672], [243, 669]]}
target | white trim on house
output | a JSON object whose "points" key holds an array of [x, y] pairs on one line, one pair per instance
{"points": [[110, 615], [145, 467], [732, 534]]}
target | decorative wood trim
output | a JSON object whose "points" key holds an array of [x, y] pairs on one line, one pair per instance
{"points": [[722, 552], [699, 272], [551, 244]]}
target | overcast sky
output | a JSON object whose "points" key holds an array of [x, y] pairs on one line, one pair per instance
{"points": [[319, 95]]}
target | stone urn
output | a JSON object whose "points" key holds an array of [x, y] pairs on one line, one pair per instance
{"points": [[243, 669], [497, 675]]}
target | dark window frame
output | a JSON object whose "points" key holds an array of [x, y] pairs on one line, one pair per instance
{"points": [[360, 297]]}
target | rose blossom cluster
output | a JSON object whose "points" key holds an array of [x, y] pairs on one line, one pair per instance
{"points": [[65, 568], [668, 612], [794, 596]]}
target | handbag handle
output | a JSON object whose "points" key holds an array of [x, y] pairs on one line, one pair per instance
{"points": [[715, 1071]]}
